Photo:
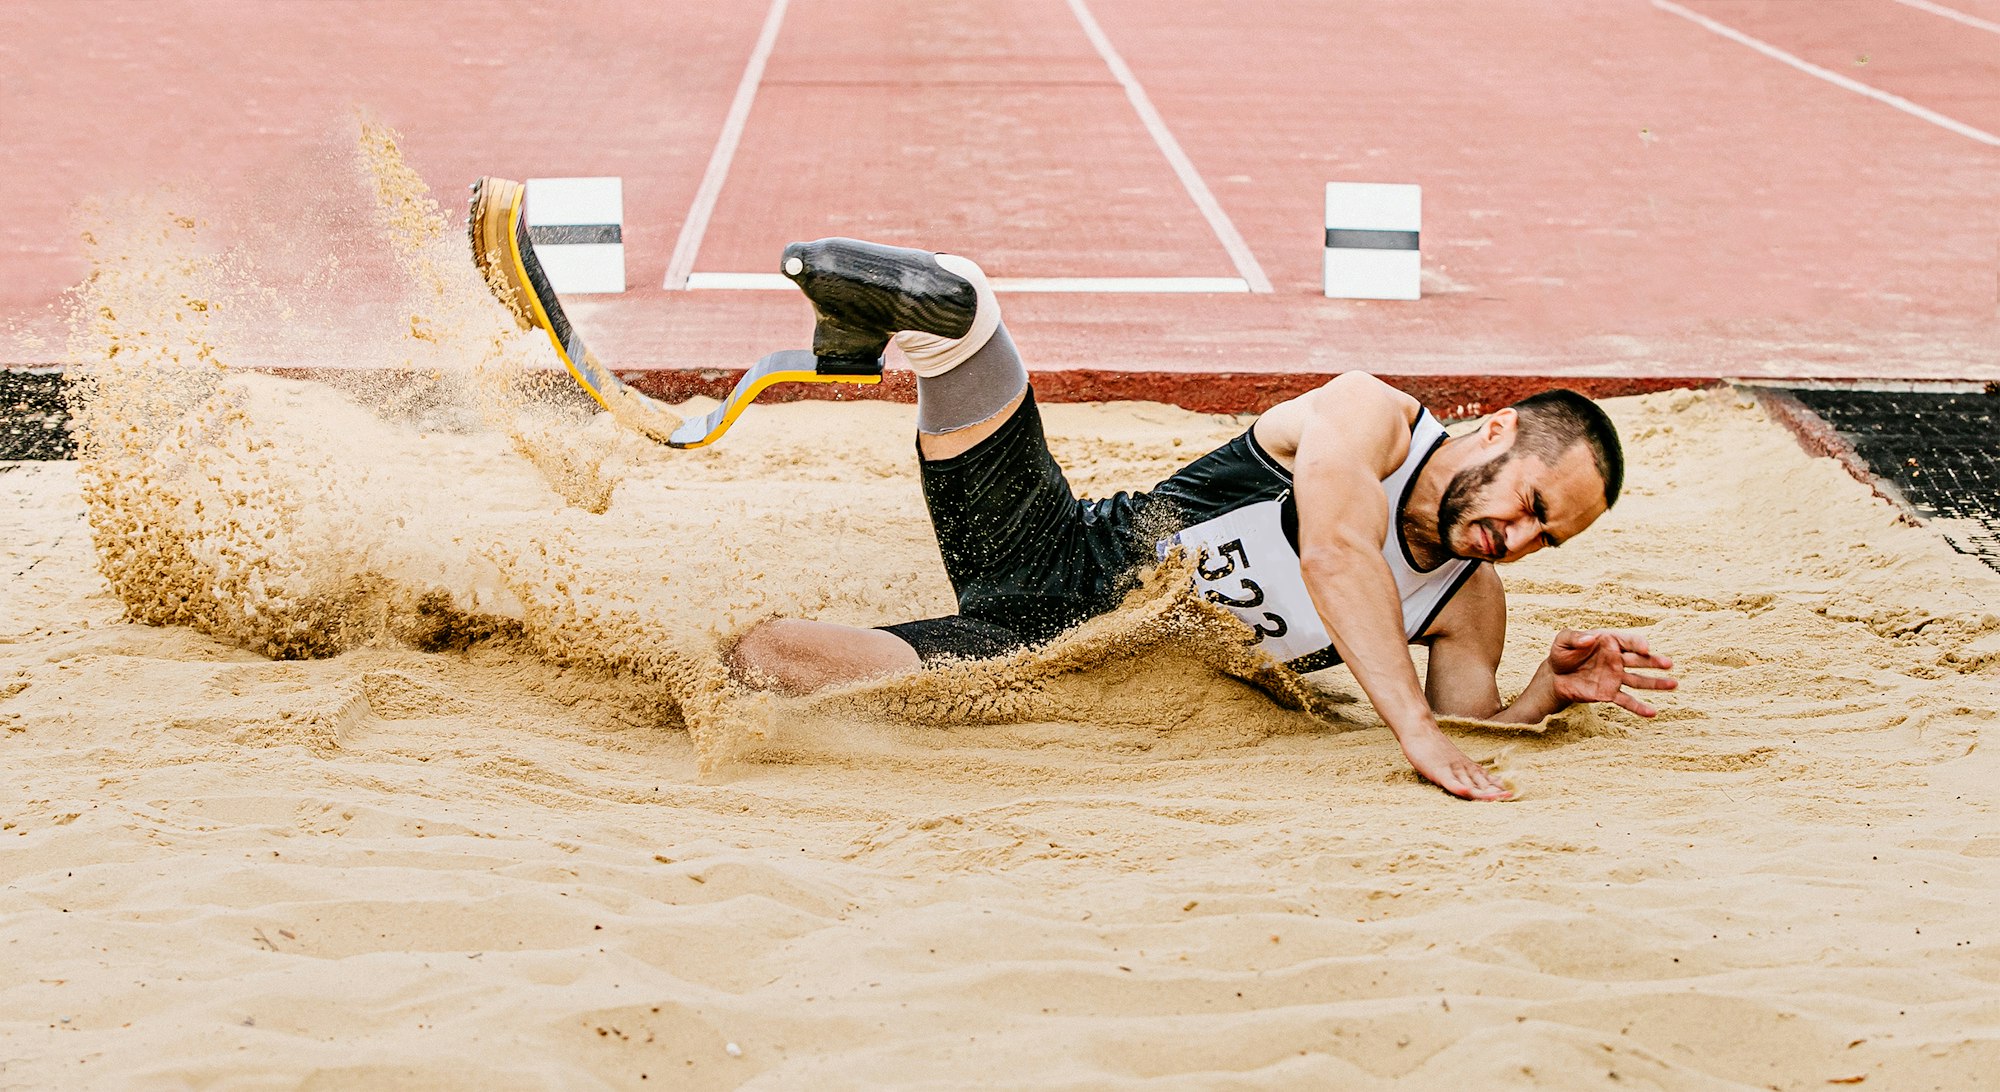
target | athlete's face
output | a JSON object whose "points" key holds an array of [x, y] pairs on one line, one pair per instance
{"points": [[1515, 503]]}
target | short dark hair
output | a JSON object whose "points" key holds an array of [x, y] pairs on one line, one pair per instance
{"points": [[1554, 420]]}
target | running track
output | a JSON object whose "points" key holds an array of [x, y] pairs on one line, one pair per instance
{"points": [[1639, 191]]}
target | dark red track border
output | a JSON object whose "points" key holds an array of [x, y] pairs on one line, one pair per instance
{"points": [[1451, 396]]}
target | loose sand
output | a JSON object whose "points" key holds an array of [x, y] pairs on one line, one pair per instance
{"points": [[506, 824]]}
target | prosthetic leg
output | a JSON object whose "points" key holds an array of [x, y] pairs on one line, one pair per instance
{"points": [[501, 249], [845, 350]]}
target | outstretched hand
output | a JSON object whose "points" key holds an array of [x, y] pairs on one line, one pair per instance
{"points": [[1596, 665]]}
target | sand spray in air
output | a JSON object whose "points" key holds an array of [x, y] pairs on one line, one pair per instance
{"points": [[462, 342], [272, 515], [276, 515]]}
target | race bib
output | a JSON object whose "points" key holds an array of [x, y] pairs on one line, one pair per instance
{"points": [[1244, 562]]}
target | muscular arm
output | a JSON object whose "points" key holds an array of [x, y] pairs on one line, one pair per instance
{"points": [[1582, 666], [1465, 649], [1465, 646], [1351, 434]]}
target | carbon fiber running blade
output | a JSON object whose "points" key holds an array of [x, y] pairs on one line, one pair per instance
{"points": [[503, 252], [786, 366]]}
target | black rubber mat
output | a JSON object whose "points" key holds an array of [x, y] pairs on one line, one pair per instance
{"points": [[33, 422], [1941, 451]]}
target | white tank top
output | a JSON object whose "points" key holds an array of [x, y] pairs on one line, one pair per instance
{"points": [[1245, 561]]}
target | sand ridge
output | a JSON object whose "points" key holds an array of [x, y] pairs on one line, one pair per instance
{"points": [[507, 824]]}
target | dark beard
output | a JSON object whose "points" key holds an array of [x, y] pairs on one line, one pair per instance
{"points": [[1465, 488]]}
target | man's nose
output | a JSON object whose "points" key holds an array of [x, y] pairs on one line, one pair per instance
{"points": [[1520, 535]]}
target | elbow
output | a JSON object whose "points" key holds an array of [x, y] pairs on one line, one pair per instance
{"points": [[1315, 564], [1336, 560]]}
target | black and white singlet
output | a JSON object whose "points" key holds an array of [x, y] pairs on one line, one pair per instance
{"points": [[1242, 531], [1027, 559]]}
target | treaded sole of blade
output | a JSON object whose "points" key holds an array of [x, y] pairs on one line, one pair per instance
{"points": [[488, 229], [503, 252], [505, 255]]}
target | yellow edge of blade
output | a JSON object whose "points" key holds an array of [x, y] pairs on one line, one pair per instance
{"points": [[740, 400], [535, 301]]}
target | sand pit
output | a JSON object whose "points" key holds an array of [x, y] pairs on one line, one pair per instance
{"points": [[496, 819]]}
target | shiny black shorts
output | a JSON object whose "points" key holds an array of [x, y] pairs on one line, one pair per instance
{"points": [[1026, 558]]}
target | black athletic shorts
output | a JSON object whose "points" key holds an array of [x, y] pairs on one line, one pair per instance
{"points": [[1026, 558]]}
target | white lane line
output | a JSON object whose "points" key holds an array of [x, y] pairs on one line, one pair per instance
{"points": [[1218, 220], [696, 224], [1122, 284], [767, 282], [1835, 78], [764, 282], [1952, 13]]}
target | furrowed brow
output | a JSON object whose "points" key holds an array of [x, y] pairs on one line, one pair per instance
{"points": [[1542, 516]]}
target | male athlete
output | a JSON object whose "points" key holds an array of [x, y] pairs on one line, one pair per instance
{"points": [[1341, 527]]}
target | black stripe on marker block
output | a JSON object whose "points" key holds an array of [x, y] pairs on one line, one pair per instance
{"points": [[538, 283], [1359, 239], [559, 234]]}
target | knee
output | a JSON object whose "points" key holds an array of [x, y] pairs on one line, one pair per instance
{"points": [[769, 656], [795, 656]]}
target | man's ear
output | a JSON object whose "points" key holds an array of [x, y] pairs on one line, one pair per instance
{"points": [[1500, 427]]}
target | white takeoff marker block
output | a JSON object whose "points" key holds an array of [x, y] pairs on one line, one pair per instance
{"points": [[578, 228], [1371, 241]]}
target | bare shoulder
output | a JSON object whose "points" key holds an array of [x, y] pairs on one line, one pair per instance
{"points": [[1354, 405]]}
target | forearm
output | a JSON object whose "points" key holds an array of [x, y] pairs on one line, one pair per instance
{"points": [[1356, 599], [1536, 703]]}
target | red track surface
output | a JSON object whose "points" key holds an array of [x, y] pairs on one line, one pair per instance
{"points": [[1612, 192]]}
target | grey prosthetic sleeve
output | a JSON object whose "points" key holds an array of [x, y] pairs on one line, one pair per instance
{"points": [[939, 309], [973, 390]]}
